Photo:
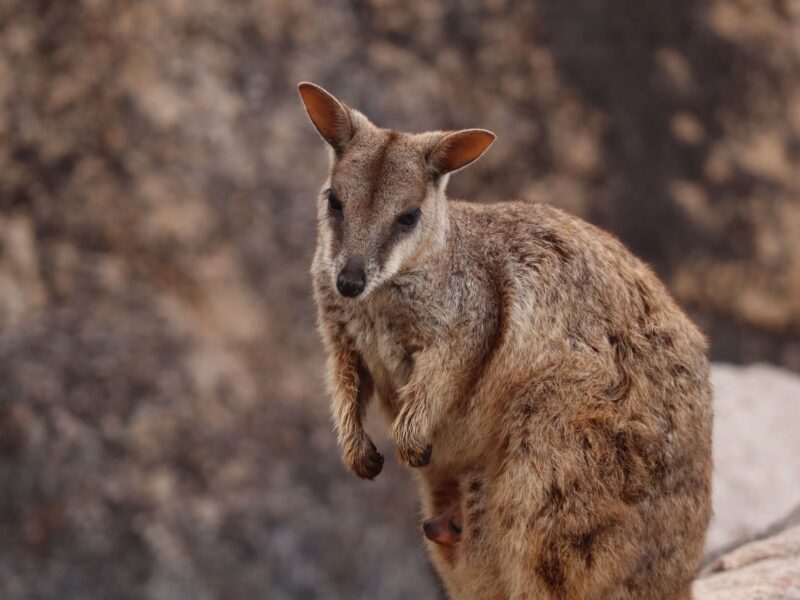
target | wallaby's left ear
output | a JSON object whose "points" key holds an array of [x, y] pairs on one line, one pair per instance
{"points": [[329, 116], [458, 149]]}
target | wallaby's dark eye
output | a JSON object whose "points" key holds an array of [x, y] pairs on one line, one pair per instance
{"points": [[410, 218], [334, 204]]}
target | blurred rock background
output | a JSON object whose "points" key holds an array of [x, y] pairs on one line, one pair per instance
{"points": [[163, 430]]}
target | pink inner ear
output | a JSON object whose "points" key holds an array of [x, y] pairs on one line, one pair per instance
{"points": [[327, 114], [461, 148]]}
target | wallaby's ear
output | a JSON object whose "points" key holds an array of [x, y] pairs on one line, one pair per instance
{"points": [[458, 149], [329, 116]]}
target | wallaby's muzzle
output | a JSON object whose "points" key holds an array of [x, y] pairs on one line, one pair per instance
{"points": [[352, 280]]}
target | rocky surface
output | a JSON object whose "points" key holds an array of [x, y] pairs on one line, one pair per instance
{"points": [[159, 127], [163, 430], [764, 568], [756, 449]]}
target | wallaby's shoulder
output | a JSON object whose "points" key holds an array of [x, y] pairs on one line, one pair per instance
{"points": [[524, 219], [549, 248], [534, 233]]}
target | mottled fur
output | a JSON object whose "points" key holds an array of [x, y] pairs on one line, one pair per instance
{"points": [[561, 396]]}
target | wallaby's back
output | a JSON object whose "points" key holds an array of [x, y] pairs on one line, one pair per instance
{"points": [[592, 415]]}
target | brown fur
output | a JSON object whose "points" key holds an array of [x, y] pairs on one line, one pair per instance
{"points": [[559, 394]]}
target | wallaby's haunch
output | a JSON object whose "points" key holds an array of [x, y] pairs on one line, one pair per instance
{"points": [[555, 395]]}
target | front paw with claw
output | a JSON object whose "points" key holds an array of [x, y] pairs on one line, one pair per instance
{"points": [[364, 459], [411, 450], [416, 456]]}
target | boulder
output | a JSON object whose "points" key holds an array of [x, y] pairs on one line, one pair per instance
{"points": [[765, 567], [756, 449]]}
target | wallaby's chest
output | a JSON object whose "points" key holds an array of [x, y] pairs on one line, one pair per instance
{"points": [[387, 346]]}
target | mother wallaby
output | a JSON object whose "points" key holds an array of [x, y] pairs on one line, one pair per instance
{"points": [[552, 390]]}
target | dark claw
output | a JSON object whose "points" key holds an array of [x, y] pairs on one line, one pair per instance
{"points": [[426, 456], [373, 464], [421, 460]]}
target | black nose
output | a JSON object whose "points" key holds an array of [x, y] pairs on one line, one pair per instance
{"points": [[429, 527], [351, 282]]}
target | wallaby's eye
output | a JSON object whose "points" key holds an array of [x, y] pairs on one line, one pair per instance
{"points": [[409, 218], [334, 204]]}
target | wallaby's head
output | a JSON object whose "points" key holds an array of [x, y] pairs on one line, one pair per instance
{"points": [[382, 208]]}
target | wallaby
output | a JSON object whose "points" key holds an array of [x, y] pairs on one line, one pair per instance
{"points": [[540, 373]]}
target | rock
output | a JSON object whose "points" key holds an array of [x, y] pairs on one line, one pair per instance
{"points": [[756, 449], [765, 568]]}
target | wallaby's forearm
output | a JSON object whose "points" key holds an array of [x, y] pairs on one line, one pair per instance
{"points": [[350, 386], [428, 397]]}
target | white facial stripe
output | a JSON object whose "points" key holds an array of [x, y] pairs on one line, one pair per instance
{"points": [[433, 213], [400, 251], [428, 232]]}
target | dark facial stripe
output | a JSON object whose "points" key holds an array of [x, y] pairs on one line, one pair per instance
{"points": [[378, 166], [386, 247], [337, 234], [376, 179]]}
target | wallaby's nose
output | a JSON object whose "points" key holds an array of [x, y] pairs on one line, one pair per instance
{"points": [[442, 530], [431, 527], [351, 281]]}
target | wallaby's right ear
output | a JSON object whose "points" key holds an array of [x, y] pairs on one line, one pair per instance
{"points": [[329, 116], [457, 149]]}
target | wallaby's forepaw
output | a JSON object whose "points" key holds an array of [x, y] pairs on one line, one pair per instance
{"points": [[364, 460], [414, 457], [413, 448]]}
